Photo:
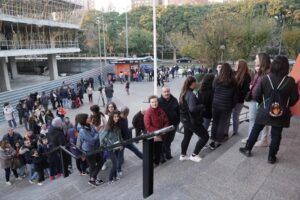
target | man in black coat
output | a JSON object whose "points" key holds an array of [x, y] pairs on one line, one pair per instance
{"points": [[12, 137], [57, 138], [138, 122], [171, 107]]}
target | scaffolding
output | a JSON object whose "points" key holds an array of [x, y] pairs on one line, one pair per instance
{"points": [[15, 35], [67, 11]]}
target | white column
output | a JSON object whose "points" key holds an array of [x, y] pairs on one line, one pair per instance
{"points": [[52, 65], [154, 48], [13, 66], [4, 77]]}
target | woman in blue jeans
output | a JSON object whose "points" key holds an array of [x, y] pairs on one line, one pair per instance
{"points": [[243, 82], [288, 96]]}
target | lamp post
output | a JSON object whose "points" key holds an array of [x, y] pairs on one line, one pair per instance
{"points": [[126, 32], [99, 36], [154, 46], [222, 48], [104, 40]]}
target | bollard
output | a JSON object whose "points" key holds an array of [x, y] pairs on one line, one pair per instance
{"points": [[147, 167]]}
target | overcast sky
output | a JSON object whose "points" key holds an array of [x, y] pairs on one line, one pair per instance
{"points": [[117, 5]]}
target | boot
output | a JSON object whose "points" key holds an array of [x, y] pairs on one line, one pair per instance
{"points": [[272, 159], [246, 150]]}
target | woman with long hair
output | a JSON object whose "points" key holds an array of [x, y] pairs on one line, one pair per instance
{"points": [[224, 100], [243, 79], [88, 141], [97, 118], [288, 96], [190, 116], [112, 135], [110, 107], [262, 67]]}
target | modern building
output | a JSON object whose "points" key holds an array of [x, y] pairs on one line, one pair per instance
{"points": [[139, 3], [37, 28], [89, 5], [185, 2]]}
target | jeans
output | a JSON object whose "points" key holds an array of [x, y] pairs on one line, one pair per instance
{"points": [[65, 103], [169, 137], [7, 173], [275, 138], [131, 147], [95, 162], [32, 174], [200, 131], [25, 121], [22, 170], [114, 159], [81, 165], [220, 125], [252, 116], [236, 111], [109, 99], [206, 122], [12, 123]]}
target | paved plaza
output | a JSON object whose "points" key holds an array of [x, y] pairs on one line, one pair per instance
{"points": [[223, 174]]}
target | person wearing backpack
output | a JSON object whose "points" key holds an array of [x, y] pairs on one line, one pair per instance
{"points": [[190, 111], [276, 93]]}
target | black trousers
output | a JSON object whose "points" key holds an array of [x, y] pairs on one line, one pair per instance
{"points": [[7, 173], [275, 138], [41, 175], [200, 131], [168, 139], [81, 165], [157, 151], [95, 162], [220, 124]]}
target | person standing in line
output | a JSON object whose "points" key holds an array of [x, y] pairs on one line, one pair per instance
{"points": [[125, 136], [205, 96], [12, 137], [155, 118], [243, 79], [127, 87], [112, 135], [190, 117], [224, 100], [109, 89], [88, 141], [138, 122], [20, 113], [45, 100], [278, 85], [9, 115], [262, 67], [171, 107], [89, 92]]}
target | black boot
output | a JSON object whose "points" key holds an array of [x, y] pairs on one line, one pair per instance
{"points": [[272, 159], [246, 150]]}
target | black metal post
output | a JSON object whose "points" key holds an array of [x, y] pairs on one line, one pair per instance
{"points": [[62, 161], [148, 167]]}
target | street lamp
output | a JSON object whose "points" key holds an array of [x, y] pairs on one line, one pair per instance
{"points": [[99, 36], [104, 40], [126, 32], [222, 48], [154, 46]]}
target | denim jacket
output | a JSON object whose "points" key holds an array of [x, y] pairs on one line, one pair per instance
{"points": [[88, 139]]}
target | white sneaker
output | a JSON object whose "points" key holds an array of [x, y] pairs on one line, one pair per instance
{"points": [[19, 178], [104, 167], [8, 183], [120, 173], [244, 141], [183, 157], [31, 182], [261, 144], [40, 184], [195, 158]]}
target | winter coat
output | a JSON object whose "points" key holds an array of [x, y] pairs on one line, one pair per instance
{"points": [[124, 129], [171, 108], [138, 122], [243, 89], [16, 137], [56, 137], [109, 90], [25, 155], [45, 100], [108, 138], [6, 157], [8, 112], [206, 97], [88, 139], [225, 96], [288, 90], [155, 119]]}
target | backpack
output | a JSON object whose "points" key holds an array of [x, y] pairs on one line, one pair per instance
{"points": [[276, 107]]}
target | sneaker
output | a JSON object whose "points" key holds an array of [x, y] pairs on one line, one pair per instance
{"points": [[212, 145], [111, 182], [195, 158], [117, 178], [99, 182], [40, 184], [261, 144], [244, 141], [31, 182], [8, 183], [92, 183], [120, 173], [245, 151], [272, 159], [83, 174], [19, 178], [183, 157]]}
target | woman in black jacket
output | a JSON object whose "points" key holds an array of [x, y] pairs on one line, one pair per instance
{"points": [[287, 90], [225, 97], [243, 79], [190, 116]]}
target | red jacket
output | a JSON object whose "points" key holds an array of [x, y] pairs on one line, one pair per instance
{"points": [[155, 119]]}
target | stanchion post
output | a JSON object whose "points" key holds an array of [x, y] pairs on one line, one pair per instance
{"points": [[62, 161], [148, 167]]}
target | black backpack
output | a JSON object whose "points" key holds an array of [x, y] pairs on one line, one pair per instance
{"points": [[275, 105]]}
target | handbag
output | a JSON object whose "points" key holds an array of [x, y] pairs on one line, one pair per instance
{"points": [[248, 96]]}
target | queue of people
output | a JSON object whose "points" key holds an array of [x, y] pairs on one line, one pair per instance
{"points": [[209, 103]]}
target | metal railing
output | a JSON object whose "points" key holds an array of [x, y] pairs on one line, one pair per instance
{"points": [[36, 44]]}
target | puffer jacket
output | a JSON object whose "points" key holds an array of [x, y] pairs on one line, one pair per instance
{"points": [[288, 92], [225, 96], [171, 108], [6, 157]]}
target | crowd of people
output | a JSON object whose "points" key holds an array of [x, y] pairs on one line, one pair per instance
{"points": [[209, 103]]}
